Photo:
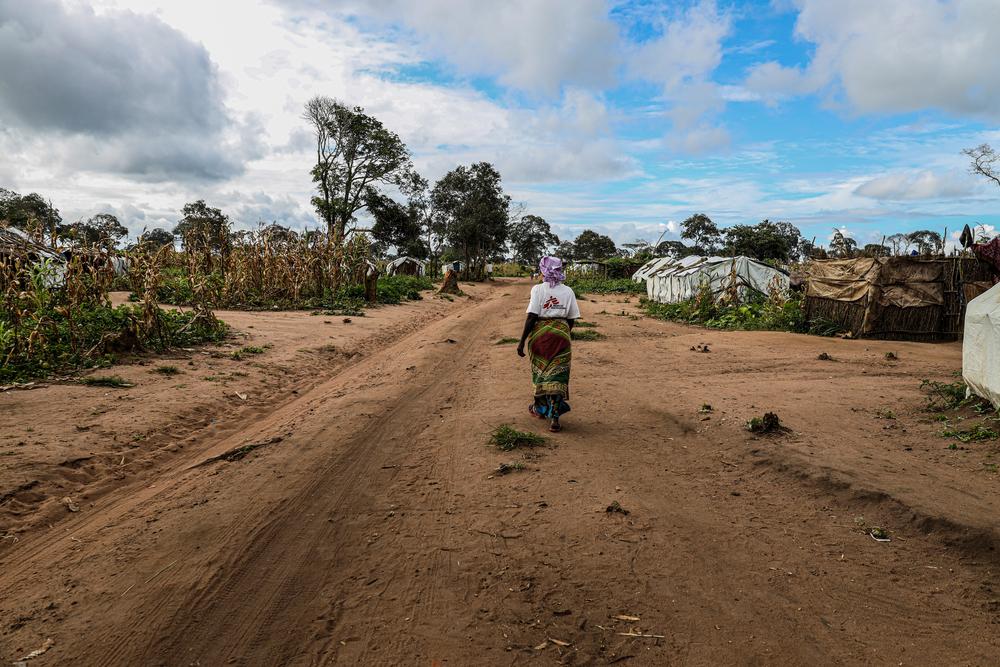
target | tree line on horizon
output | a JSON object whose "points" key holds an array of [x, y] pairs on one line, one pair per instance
{"points": [[362, 166]]}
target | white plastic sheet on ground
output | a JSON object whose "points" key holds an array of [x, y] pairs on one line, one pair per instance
{"points": [[981, 345], [673, 281]]}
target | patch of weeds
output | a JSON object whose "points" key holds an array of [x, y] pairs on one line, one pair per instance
{"points": [[581, 323], [977, 433], [587, 334], [167, 370], [879, 533], [246, 351], [891, 356], [884, 413], [823, 356], [506, 438], [953, 446], [769, 423], [944, 395], [106, 381], [214, 378], [508, 468], [239, 374], [939, 418], [990, 467], [705, 408], [508, 341]]}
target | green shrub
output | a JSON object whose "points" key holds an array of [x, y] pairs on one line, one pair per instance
{"points": [[588, 284], [396, 289], [758, 314], [506, 438]]}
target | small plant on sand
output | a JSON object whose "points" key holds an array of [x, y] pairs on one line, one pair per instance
{"points": [[247, 351], [508, 468], [106, 381], [581, 323], [506, 438], [944, 395], [587, 334], [508, 341], [884, 413], [977, 433], [167, 370], [769, 423]]}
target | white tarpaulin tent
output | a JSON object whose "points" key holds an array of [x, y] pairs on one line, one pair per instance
{"points": [[406, 265], [981, 345], [679, 280]]}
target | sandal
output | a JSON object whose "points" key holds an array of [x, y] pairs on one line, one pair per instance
{"points": [[554, 426], [531, 409]]}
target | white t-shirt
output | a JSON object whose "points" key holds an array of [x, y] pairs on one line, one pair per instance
{"points": [[553, 302]]}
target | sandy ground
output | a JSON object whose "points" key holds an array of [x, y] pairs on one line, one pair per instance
{"points": [[368, 526]]}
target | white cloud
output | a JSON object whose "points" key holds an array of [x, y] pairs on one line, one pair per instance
{"points": [[908, 186], [895, 55], [534, 46]]}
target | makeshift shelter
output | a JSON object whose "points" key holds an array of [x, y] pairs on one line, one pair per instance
{"points": [[900, 298], [981, 345], [18, 247], [586, 266], [405, 266], [679, 280]]}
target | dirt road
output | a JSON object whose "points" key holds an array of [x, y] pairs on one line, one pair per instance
{"points": [[359, 521]]}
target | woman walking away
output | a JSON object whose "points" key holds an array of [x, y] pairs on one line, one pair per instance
{"points": [[551, 313]]}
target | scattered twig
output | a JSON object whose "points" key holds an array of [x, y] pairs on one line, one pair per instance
{"points": [[640, 635]]}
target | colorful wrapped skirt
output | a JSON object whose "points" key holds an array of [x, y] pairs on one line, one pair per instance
{"points": [[550, 352]]}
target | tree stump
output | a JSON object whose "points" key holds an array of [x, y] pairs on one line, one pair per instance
{"points": [[371, 285], [450, 284]]}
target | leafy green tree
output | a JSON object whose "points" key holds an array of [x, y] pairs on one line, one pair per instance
{"points": [[156, 238], [926, 241], [471, 213], [565, 250], [675, 249], [103, 230], [874, 250], [354, 154], [763, 241], [591, 245], [530, 237], [700, 229], [841, 246], [28, 211], [397, 225], [204, 227]]}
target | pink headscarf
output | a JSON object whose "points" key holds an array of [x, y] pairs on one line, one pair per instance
{"points": [[551, 268]]}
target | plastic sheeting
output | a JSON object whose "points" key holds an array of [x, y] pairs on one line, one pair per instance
{"points": [[981, 345], [891, 281], [679, 280], [394, 266]]}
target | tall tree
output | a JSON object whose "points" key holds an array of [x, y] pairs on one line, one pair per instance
{"points": [[28, 211], [843, 247], [156, 238], [700, 229], [354, 154], [765, 240], [899, 243], [397, 225], [591, 245], [927, 242], [565, 250], [102, 230], [471, 212], [530, 237], [205, 229]]}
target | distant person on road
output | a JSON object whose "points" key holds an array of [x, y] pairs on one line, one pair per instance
{"points": [[552, 311]]}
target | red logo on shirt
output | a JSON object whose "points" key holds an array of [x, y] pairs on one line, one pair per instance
{"points": [[551, 303]]}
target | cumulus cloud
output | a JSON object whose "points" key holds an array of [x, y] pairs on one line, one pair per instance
{"points": [[908, 186], [682, 59], [895, 55], [534, 46], [121, 91]]}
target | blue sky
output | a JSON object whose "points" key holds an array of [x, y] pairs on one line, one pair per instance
{"points": [[624, 116]]}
